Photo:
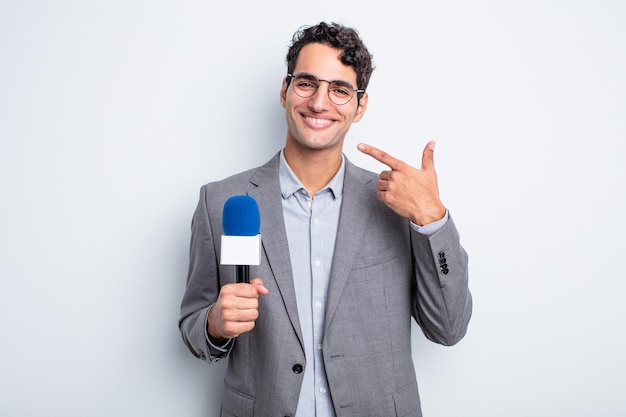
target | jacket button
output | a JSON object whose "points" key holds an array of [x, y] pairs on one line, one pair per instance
{"points": [[297, 368]]}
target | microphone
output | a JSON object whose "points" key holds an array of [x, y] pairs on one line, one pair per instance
{"points": [[241, 241]]}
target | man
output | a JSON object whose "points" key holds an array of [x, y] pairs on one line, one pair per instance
{"points": [[348, 257]]}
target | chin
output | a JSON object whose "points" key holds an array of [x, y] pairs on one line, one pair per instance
{"points": [[319, 145]]}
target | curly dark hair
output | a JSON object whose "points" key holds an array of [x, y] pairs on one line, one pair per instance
{"points": [[354, 53]]}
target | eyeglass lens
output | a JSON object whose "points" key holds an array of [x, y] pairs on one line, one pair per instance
{"points": [[339, 92]]}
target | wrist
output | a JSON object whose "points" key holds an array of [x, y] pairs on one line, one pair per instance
{"points": [[431, 216], [211, 332]]}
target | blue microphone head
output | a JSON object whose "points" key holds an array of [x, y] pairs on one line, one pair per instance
{"points": [[241, 216]]}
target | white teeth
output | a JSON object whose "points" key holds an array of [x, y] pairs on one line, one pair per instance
{"points": [[318, 121]]}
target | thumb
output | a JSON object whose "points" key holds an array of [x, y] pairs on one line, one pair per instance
{"points": [[428, 158], [258, 284]]}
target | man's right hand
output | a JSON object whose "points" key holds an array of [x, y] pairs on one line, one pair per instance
{"points": [[235, 311]]}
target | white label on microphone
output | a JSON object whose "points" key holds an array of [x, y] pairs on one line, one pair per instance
{"points": [[241, 250]]}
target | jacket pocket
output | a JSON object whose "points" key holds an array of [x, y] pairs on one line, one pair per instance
{"points": [[407, 402], [236, 404]]}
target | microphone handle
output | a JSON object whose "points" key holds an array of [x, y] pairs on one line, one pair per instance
{"points": [[242, 273]]}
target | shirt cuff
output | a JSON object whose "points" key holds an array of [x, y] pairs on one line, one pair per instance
{"points": [[430, 228]]}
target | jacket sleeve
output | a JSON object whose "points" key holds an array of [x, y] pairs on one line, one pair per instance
{"points": [[203, 285], [442, 304]]}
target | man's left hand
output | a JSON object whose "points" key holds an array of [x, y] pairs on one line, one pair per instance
{"points": [[410, 192]]}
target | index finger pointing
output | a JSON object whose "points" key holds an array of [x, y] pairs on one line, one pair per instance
{"points": [[380, 156]]}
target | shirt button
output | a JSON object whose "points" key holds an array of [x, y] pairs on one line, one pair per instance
{"points": [[317, 263], [318, 304], [319, 347], [322, 390], [316, 221]]}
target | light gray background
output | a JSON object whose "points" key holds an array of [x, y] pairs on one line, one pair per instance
{"points": [[114, 113]]}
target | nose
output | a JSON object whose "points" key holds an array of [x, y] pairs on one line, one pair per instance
{"points": [[320, 100]]}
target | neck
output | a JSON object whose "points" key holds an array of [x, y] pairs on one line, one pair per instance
{"points": [[313, 169]]}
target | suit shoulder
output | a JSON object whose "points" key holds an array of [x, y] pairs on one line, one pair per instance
{"points": [[240, 177], [241, 182]]}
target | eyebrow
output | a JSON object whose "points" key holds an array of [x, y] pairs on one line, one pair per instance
{"points": [[313, 77]]}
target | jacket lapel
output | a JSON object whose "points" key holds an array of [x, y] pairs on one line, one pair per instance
{"points": [[354, 215], [267, 193]]}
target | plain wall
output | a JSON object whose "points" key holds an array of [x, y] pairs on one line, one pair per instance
{"points": [[114, 113]]}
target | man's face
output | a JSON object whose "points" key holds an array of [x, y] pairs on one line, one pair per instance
{"points": [[316, 123]]}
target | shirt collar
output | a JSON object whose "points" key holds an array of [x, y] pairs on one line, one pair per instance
{"points": [[289, 182]]}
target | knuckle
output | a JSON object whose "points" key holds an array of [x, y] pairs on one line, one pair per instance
{"points": [[227, 290], [228, 316], [230, 329]]}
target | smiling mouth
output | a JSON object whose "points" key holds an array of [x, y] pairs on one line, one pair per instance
{"points": [[317, 122]]}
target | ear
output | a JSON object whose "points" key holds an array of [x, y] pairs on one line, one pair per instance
{"points": [[283, 92], [360, 110]]}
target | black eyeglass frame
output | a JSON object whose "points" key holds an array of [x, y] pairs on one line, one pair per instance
{"points": [[345, 84]]}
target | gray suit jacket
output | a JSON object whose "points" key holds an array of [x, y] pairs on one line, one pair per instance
{"points": [[383, 273]]}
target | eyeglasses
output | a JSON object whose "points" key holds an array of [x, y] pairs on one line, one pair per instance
{"points": [[339, 92]]}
